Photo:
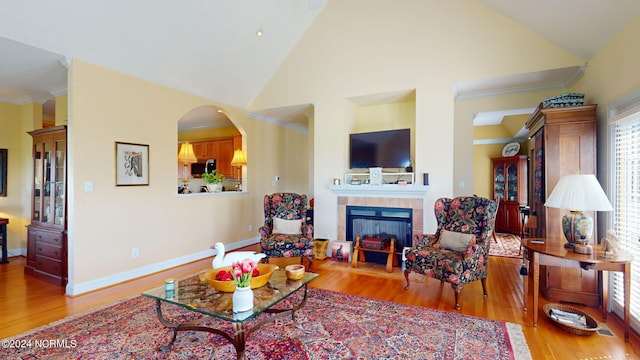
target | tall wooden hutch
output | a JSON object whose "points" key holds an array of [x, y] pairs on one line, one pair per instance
{"points": [[563, 141], [510, 188], [47, 233]]}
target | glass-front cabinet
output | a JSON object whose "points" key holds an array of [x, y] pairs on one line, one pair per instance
{"points": [[46, 240], [49, 180], [510, 189]]}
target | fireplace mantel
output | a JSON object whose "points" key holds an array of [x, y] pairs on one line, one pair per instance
{"points": [[385, 190]]}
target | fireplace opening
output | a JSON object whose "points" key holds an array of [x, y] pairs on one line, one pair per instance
{"points": [[381, 222]]}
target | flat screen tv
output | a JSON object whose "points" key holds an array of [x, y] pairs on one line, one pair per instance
{"points": [[385, 149]]}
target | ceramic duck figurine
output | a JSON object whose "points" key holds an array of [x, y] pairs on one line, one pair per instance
{"points": [[221, 260]]}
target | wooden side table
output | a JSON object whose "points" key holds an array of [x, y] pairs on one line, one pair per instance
{"points": [[552, 252], [392, 259], [3, 240]]}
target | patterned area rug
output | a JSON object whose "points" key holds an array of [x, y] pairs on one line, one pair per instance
{"points": [[330, 326], [507, 245]]}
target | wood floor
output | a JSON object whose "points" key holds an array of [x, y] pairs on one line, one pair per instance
{"points": [[26, 303]]}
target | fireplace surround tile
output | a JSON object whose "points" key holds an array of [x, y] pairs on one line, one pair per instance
{"points": [[416, 204]]}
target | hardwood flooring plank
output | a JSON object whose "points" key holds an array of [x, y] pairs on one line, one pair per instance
{"points": [[26, 303]]}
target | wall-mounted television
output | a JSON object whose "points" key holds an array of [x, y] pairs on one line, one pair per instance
{"points": [[385, 149]]}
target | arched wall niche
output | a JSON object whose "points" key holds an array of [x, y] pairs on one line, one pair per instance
{"points": [[210, 136]]}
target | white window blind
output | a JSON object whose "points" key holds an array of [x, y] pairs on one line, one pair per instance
{"points": [[626, 204]]}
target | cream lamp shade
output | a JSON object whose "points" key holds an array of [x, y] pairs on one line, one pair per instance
{"points": [[239, 158], [578, 193], [186, 154]]}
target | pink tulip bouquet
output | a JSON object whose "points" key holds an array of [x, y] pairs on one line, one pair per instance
{"points": [[242, 272]]}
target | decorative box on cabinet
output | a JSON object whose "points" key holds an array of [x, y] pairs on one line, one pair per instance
{"points": [[563, 141], [46, 238], [510, 187]]}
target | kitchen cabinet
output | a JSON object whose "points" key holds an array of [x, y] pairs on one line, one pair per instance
{"points": [[47, 232], [563, 141], [221, 150], [510, 189]]}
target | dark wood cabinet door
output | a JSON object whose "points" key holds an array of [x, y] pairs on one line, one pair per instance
{"points": [[563, 142], [510, 188]]}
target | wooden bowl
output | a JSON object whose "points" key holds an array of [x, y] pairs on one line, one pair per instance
{"points": [[266, 270], [294, 271]]}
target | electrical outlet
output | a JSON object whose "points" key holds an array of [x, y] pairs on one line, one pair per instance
{"points": [[135, 253], [250, 228]]}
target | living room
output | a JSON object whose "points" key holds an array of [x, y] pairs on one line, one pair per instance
{"points": [[355, 50]]}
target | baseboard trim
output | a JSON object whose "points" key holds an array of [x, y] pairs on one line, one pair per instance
{"points": [[110, 280]]}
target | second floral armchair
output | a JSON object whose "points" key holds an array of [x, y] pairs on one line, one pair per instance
{"points": [[459, 250]]}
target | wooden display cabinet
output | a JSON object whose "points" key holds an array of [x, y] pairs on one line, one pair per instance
{"points": [[510, 188], [46, 235], [563, 141]]}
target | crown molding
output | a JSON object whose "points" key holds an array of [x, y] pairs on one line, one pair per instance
{"points": [[58, 91], [17, 101]]}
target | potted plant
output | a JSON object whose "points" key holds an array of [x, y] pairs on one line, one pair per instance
{"points": [[214, 180]]}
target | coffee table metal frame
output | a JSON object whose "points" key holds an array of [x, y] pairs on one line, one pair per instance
{"points": [[282, 287]]}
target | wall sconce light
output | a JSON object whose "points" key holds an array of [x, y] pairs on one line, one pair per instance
{"points": [[239, 159]]}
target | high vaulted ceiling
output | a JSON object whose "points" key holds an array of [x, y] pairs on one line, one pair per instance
{"points": [[211, 48]]}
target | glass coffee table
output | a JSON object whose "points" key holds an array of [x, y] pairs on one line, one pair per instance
{"points": [[197, 295]]}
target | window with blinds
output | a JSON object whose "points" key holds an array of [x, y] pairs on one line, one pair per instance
{"points": [[626, 204]]}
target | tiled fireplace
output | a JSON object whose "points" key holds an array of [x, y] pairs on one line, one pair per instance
{"points": [[415, 204]]}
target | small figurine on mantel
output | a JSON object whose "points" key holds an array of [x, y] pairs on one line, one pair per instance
{"points": [[610, 245]]}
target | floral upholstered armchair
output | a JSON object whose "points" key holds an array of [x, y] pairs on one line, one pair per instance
{"points": [[458, 252], [285, 232]]}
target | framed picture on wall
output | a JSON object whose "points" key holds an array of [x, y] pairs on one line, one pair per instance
{"points": [[132, 164], [3, 172]]}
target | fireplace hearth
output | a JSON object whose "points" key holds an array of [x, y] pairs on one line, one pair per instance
{"points": [[381, 222]]}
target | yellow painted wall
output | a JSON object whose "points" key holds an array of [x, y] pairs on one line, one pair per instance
{"points": [[482, 168], [11, 206], [15, 121], [364, 47], [385, 116], [206, 134], [62, 109], [105, 224], [389, 116]]}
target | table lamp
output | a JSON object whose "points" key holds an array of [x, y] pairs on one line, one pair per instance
{"points": [[239, 159], [578, 193], [186, 156]]}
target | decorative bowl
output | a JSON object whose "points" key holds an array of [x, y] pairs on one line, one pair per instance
{"points": [[266, 270], [294, 271]]}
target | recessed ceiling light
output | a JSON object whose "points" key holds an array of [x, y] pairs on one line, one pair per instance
{"points": [[220, 111], [259, 33]]}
